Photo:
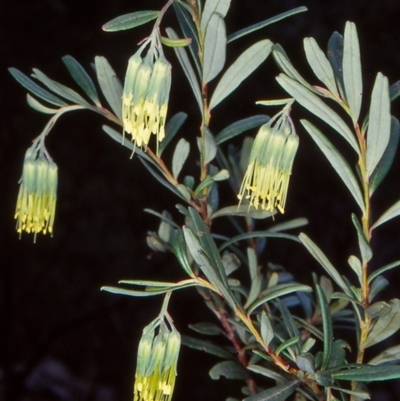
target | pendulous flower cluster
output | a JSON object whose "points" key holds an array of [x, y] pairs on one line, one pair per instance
{"points": [[156, 362], [265, 183], [145, 96], [36, 203]]}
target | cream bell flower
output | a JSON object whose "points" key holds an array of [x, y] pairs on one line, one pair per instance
{"points": [[266, 180], [145, 98], [36, 203], [156, 362]]}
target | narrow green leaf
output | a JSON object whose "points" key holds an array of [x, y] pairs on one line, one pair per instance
{"points": [[352, 76], [324, 262], [240, 69], [212, 7], [262, 24], [183, 210], [60, 89], [368, 374], [242, 210], [320, 65], [342, 295], [391, 213], [109, 84], [206, 183], [311, 328], [82, 78], [256, 234], [202, 260], [241, 126], [272, 374], [290, 326], [183, 59], [255, 277], [317, 107], [356, 265], [337, 161], [129, 21], [203, 249], [180, 155], [378, 133], [171, 129], [176, 42], [241, 167], [35, 89], [206, 346], [36, 105], [386, 161], [383, 269], [267, 333], [150, 291], [335, 56], [288, 225], [385, 325], [180, 250], [277, 393], [277, 291], [132, 293], [327, 327], [276, 102], [185, 19], [210, 146], [308, 344], [165, 217], [287, 344], [221, 175], [305, 362], [378, 309], [377, 285], [365, 248], [208, 244], [148, 283], [360, 395], [214, 48], [390, 355], [206, 328], [228, 369], [284, 63]]}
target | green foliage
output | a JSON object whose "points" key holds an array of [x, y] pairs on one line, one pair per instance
{"points": [[131, 20], [241, 68], [270, 331]]}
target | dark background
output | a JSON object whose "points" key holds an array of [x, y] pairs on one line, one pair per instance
{"points": [[63, 339]]}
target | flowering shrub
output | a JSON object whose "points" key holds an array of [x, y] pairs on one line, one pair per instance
{"points": [[284, 338]]}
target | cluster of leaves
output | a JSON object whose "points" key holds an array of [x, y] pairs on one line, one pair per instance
{"points": [[269, 345]]}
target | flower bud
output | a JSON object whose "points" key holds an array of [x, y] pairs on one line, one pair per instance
{"points": [[145, 98], [156, 363], [266, 180], [36, 203]]}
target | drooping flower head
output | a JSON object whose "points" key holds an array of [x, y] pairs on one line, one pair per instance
{"points": [[156, 362], [266, 180], [145, 96], [36, 203]]}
